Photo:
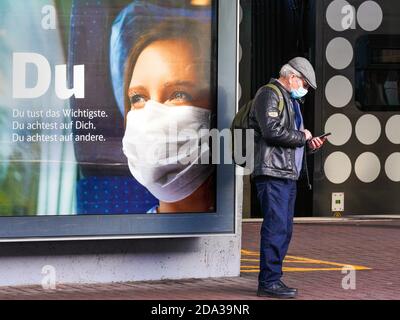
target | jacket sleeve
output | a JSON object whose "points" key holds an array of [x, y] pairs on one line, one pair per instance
{"points": [[266, 109]]}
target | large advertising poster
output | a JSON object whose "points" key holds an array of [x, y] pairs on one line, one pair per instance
{"points": [[104, 106]]}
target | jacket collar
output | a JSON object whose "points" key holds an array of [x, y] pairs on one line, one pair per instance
{"points": [[283, 89]]}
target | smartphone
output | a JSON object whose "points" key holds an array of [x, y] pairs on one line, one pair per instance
{"points": [[325, 135]]}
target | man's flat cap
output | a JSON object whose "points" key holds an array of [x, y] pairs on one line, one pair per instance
{"points": [[303, 66]]}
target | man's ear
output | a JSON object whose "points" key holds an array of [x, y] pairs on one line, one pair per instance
{"points": [[290, 79]]}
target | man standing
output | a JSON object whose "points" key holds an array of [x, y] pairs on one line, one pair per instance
{"points": [[280, 145]]}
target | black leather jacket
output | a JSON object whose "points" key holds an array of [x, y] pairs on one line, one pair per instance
{"points": [[276, 139]]}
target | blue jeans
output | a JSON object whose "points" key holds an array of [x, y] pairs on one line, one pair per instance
{"points": [[277, 199]]}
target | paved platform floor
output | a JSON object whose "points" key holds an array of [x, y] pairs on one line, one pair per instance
{"points": [[317, 256]]}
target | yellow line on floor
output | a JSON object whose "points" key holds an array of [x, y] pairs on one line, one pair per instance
{"points": [[244, 268], [285, 261], [288, 269], [300, 260]]}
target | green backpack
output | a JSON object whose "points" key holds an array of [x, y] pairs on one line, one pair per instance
{"points": [[241, 120]]}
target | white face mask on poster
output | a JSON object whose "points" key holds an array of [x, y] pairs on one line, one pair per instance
{"points": [[164, 149]]}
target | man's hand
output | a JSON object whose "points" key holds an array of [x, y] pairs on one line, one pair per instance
{"points": [[308, 134], [316, 143]]}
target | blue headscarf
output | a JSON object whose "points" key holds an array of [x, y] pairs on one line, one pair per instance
{"points": [[134, 20]]}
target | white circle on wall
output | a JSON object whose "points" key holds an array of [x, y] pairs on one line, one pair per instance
{"points": [[393, 129], [340, 15], [392, 167], [341, 128], [240, 14], [240, 53], [368, 129], [367, 167], [339, 91], [239, 91], [369, 16], [337, 167], [339, 53]]}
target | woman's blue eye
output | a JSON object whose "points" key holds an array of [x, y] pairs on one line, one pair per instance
{"points": [[136, 98], [181, 96], [137, 101]]}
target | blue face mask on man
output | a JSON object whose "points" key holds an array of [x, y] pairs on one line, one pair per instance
{"points": [[298, 93]]}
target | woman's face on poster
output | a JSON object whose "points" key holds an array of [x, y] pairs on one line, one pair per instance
{"points": [[173, 73]]}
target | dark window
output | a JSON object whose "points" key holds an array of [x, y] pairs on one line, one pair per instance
{"points": [[378, 73]]}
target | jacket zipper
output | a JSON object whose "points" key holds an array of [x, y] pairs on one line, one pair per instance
{"points": [[309, 185], [307, 173]]}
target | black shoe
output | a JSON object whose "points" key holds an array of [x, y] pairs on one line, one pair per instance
{"points": [[276, 290], [285, 286]]}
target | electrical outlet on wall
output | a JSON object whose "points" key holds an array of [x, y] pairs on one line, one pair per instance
{"points": [[338, 202]]}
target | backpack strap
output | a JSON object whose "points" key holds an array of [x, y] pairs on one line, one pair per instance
{"points": [[280, 95]]}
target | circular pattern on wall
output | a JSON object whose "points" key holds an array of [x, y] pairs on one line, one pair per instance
{"points": [[337, 167], [341, 128], [368, 129], [367, 167], [339, 53], [335, 15], [393, 129], [369, 16], [339, 91], [392, 167]]}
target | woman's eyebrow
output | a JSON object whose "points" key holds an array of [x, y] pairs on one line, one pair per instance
{"points": [[133, 90], [179, 83]]}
